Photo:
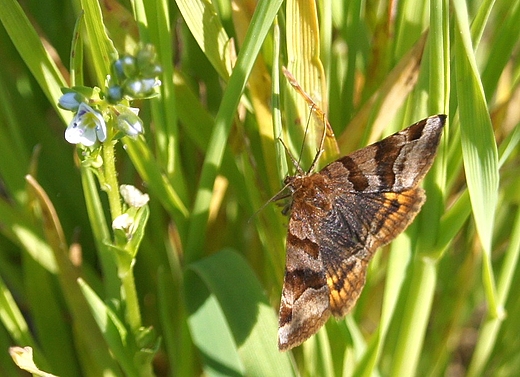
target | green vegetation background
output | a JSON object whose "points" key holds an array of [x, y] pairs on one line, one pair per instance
{"points": [[201, 295]]}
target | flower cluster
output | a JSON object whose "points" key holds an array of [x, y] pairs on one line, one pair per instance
{"points": [[134, 76], [100, 116]]}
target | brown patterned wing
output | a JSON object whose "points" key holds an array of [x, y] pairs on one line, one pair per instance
{"points": [[340, 216], [325, 274], [396, 163], [304, 307], [357, 226]]}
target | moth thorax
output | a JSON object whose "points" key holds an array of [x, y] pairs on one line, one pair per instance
{"points": [[313, 190]]}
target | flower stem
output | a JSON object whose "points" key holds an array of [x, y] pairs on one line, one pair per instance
{"points": [[112, 186], [133, 314], [126, 273]]}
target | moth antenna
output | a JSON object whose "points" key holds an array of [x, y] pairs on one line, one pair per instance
{"points": [[306, 132], [295, 162], [322, 142], [327, 129]]}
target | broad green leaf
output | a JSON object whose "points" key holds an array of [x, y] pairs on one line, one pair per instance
{"points": [[241, 320]]}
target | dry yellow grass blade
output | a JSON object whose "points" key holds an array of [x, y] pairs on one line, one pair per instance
{"points": [[303, 53]]}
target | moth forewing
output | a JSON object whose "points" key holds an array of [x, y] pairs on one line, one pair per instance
{"points": [[340, 216]]}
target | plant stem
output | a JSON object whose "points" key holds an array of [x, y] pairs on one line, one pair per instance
{"points": [[126, 273], [133, 314], [110, 176]]}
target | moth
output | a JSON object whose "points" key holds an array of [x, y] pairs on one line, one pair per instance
{"points": [[340, 216]]}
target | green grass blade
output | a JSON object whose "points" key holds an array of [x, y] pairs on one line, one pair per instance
{"points": [[176, 336], [23, 233], [13, 320], [479, 22], [29, 46], [438, 73], [101, 47], [113, 330], [505, 42], [165, 112], [151, 172], [489, 331], [281, 159], [204, 23], [12, 145], [260, 25], [414, 318], [478, 145]]}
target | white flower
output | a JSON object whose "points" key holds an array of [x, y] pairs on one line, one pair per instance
{"points": [[133, 197], [122, 222], [86, 127]]}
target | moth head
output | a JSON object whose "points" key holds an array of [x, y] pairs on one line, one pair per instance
{"points": [[288, 181]]}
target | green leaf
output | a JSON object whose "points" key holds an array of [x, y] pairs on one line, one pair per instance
{"points": [[479, 148], [504, 43], [230, 319], [150, 171], [23, 233]]}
